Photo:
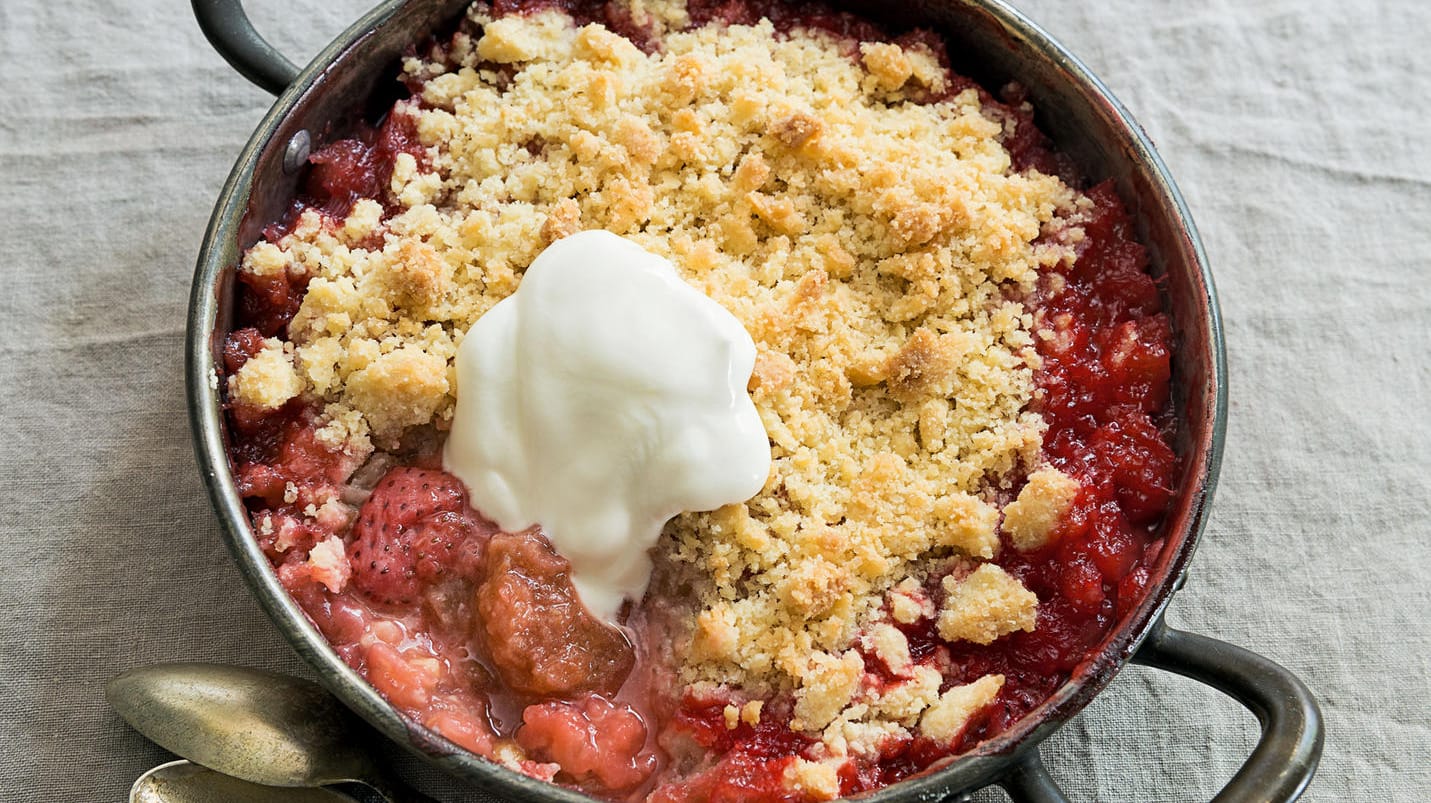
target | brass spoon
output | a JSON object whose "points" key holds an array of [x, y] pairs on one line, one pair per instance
{"points": [[186, 782], [261, 727]]}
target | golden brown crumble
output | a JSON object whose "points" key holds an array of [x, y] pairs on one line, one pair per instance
{"points": [[268, 379], [820, 779], [943, 719], [987, 603], [1030, 519], [871, 246]]}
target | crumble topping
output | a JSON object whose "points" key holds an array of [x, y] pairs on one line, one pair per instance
{"points": [[871, 242], [1029, 520], [818, 778], [943, 719], [329, 561], [889, 644], [268, 379], [986, 604]]}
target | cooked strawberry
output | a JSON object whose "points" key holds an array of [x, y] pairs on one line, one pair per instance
{"points": [[408, 532], [239, 347], [591, 738], [261, 481]]}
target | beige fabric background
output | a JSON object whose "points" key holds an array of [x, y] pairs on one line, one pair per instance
{"points": [[1299, 130]]}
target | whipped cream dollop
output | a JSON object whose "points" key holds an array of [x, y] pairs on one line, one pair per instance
{"points": [[602, 398]]}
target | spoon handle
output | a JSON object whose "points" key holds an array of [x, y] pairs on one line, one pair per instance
{"points": [[391, 790], [185, 782]]}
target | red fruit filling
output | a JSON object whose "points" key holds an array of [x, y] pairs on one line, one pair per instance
{"points": [[593, 739], [340, 173]]}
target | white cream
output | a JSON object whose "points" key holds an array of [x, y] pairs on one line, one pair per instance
{"points": [[602, 398]]}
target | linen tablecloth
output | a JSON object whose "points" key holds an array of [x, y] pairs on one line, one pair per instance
{"points": [[1299, 131]]}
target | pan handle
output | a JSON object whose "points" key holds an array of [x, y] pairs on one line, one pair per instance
{"points": [[1285, 758], [231, 33]]}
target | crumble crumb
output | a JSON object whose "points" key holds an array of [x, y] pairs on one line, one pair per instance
{"points": [[796, 130], [332, 514], [363, 221], [943, 720], [904, 702], [515, 39], [268, 379], [887, 62], [750, 712], [731, 714], [1031, 519], [892, 66], [399, 389], [329, 562], [818, 778], [264, 259], [889, 644], [288, 533], [984, 605], [830, 683], [345, 430], [909, 602]]}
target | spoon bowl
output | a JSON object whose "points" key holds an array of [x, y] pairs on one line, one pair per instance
{"points": [[186, 782], [261, 727]]}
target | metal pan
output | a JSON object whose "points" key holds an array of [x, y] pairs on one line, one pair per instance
{"points": [[990, 42]]}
